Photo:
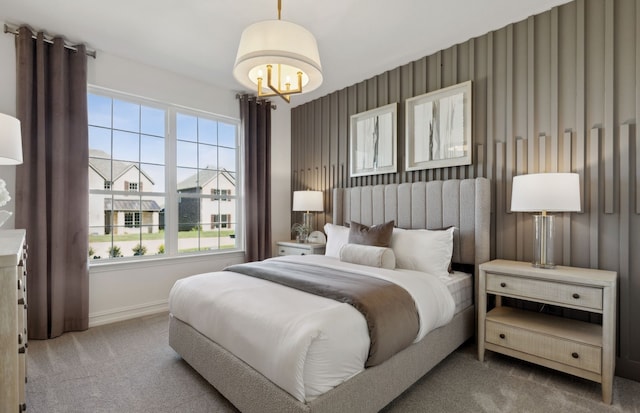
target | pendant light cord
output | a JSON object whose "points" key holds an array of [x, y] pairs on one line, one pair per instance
{"points": [[279, 8]]}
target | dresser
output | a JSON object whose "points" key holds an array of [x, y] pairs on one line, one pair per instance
{"points": [[13, 321], [576, 347], [300, 248]]}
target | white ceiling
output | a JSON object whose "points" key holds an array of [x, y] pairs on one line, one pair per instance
{"points": [[357, 39]]}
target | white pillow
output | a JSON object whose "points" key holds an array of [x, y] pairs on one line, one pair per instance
{"points": [[337, 236], [423, 250], [369, 255]]}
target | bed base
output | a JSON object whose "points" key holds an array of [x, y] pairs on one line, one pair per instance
{"points": [[368, 391]]}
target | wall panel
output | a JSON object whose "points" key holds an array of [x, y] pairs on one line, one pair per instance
{"points": [[559, 91]]}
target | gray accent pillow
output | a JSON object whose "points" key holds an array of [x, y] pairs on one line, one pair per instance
{"points": [[376, 235]]}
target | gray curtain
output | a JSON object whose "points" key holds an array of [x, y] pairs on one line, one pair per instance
{"points": [[52, 199], [255, 118]]}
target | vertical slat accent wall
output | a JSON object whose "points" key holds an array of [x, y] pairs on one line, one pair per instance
{"points": [[559, 91]]}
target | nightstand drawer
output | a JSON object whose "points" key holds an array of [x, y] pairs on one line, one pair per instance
{"points": [[571, 353], [531, 289], [282, 250]]}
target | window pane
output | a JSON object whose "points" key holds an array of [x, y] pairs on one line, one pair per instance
{"points": [[126, 146], [208, 156], [226, 135], [99, 172], [99, 142], [126, 116], [207, 131], [187, 127], [187, 154], [152, 178], [152, 121], [227, 159], [152, 149], [99, 110], [187, 180], [188, 215]]}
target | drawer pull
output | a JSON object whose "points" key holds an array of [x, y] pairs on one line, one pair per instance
{"points": [[21, 350], [502, 335], [19, 339], [503, 285], [575, 355], [303, 254], [576, 295], [21, 301]]}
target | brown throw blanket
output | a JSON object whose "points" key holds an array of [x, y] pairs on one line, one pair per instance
{"points": [[389, 309]]}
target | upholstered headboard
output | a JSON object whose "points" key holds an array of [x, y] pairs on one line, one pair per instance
{"points": [[464, 204]]}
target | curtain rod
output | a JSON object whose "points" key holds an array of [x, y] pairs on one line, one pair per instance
{"points": [[239, 96], [13, 29]]}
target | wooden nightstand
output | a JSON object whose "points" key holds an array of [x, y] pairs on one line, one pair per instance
{"points": [[583, 349], [297, 248]]}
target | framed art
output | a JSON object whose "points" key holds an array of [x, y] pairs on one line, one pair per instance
{"points": [[373, 143], [438, 128]]}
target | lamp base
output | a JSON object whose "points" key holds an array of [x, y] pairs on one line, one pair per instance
{"points": [[307, 220], [543, 229]]}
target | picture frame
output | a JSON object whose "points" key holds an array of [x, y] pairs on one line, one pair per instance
{"points": [[373, 141], [438, 128]]}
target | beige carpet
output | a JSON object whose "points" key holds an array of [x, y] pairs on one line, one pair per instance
{"points": [[128, 367]]}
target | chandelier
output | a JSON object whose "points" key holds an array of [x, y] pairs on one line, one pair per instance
{"points": [[284, 52]]}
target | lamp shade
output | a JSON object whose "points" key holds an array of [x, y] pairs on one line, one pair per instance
{"points": [[274, 42], [10, 140], [551, 192], [307, 201]]}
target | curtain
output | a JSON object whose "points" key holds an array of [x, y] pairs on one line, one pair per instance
{"points": [[255, 119], [52, 197]]}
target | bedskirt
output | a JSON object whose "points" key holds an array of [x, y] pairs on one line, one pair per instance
{"points": [[368, 391]]}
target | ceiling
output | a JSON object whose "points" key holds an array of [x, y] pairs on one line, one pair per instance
{"points": [[357, 39]]}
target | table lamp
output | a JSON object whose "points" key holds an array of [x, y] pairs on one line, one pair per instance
{"points": [[545, 192], [308, 201]]}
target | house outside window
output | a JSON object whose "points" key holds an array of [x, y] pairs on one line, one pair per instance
{"points": [[153, 169]]}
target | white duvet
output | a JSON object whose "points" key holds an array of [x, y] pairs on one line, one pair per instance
{"points": [[303, 343]]}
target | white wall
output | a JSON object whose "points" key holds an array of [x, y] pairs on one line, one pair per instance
{"points": [[126, 290]]}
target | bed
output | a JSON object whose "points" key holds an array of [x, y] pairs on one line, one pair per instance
{"points": [[463, 204]]}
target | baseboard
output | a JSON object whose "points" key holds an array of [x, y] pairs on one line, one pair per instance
{"points": [[127, 313]]}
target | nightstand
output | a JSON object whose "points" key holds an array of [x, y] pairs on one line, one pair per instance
{"points": [[583, 349], [298, 248]]}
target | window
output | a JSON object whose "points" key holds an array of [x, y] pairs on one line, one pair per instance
{"points": [[221, 221], [155, 172], [221, 194], [132, 219]]}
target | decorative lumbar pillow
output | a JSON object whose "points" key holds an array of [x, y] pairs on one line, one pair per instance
{"points": [[423, 250], [371, 256], [376, 235], [337, 236]]}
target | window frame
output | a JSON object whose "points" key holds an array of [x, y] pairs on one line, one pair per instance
{"points": [[170, 193]]}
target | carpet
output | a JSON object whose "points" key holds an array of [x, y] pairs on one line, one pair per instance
{"points": [[129, 367]]}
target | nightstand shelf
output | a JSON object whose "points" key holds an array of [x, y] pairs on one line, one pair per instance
{"points": [[299, 248], [576, 347]]}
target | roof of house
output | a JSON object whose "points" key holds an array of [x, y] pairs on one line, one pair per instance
{"points": [[203, 177], [111, 170], [131, 205]]}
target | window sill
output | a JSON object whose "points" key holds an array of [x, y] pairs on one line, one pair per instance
{"points": [[134, 263]]}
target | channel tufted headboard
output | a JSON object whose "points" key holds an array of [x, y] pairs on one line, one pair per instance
{"points": [[464, 204]]}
